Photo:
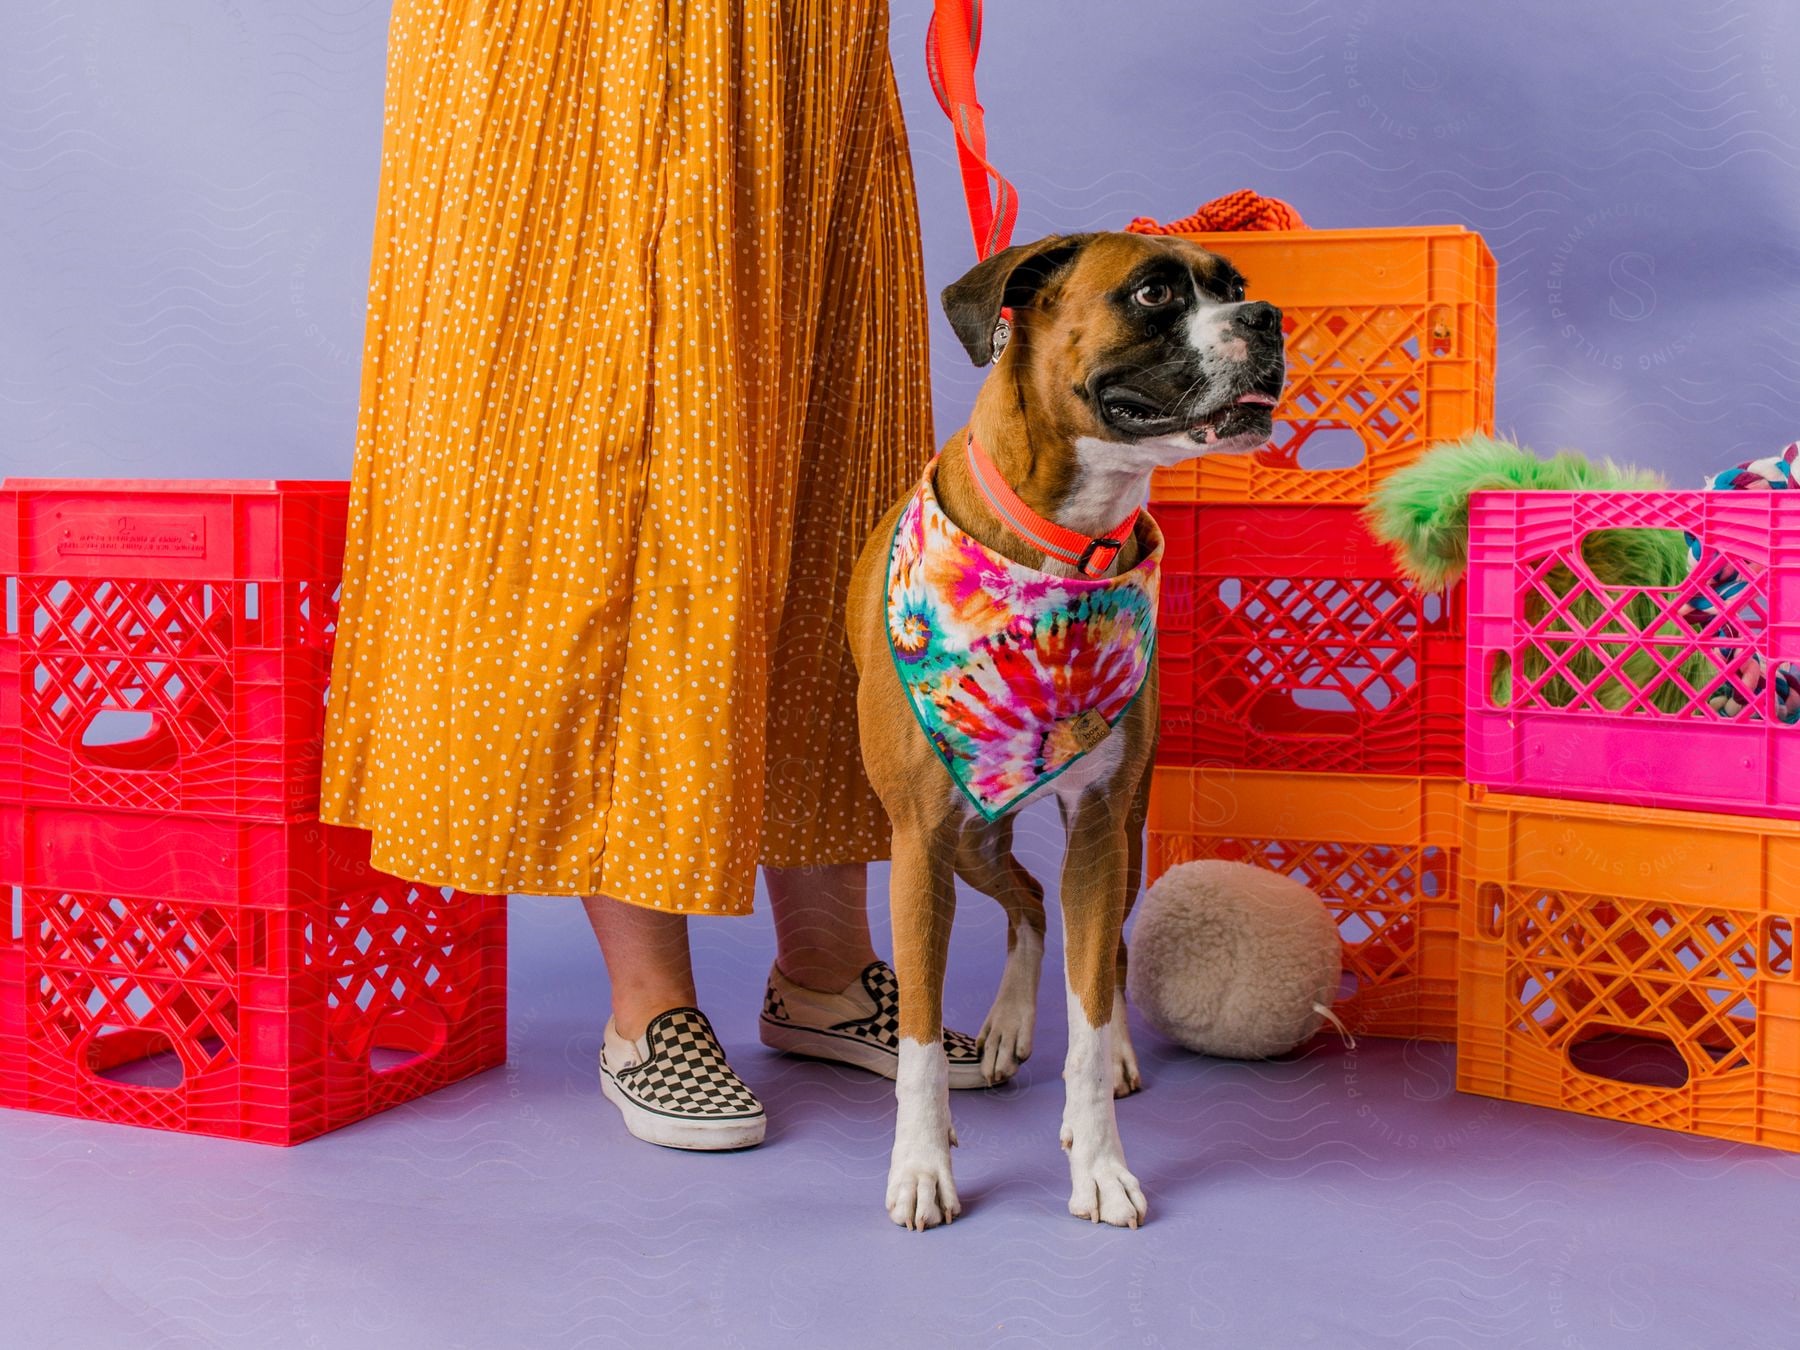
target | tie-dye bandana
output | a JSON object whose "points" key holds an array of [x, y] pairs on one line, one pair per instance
{"points": [[1013, 674]]}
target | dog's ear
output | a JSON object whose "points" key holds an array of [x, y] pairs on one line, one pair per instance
{"points": [[1012, 277]]}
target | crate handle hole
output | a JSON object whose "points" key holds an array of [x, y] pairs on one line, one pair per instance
{"points": [[1778, 945], [136, 1058], [127, 738], [405, 1037], [1308, 713], [1499, 679], [387, 1058], [1644, 1058], [1443, 331], [1490, 899], [1646, 559], [1326, 446]]}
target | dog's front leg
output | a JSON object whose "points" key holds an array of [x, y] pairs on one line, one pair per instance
{"points": [[985, 860], [922, 900], [1126, 1077], [1102, 1188]]}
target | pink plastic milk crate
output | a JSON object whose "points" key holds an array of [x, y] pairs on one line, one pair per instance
{"points": [[1650, 696], [167, 643]]}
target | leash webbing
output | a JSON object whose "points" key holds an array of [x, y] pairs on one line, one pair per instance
{"points": [[952, 43]]}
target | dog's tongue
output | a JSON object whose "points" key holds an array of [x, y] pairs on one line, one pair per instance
{"points": [[1208, 432]]}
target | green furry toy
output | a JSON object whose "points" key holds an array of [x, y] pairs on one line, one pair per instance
{"points": [[1422, 512]]}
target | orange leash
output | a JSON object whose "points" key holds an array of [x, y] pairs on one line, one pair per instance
{"points": [[952, 46], [952, 42]]}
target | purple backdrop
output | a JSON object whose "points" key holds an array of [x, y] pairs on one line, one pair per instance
{"points": [[188, 188]]}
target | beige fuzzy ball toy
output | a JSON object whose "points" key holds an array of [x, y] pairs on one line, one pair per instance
{"points": [[1233, 960]]}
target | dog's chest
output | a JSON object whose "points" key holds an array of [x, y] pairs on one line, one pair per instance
{"points": [[1017, 678], [1097, 770]]}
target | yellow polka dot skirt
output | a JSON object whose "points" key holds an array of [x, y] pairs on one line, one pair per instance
{"points": [[645, 362]]}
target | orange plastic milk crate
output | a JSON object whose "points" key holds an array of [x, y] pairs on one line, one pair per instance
{"points": [[167, 641], [1381, 852], [1390, 348], [1633, 963], [1287, 640]]}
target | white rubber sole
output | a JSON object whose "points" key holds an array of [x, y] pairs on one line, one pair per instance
{"points": [[682, 1132], [853, 1050]]}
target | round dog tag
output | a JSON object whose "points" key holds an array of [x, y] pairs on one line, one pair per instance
{"points": [[1002, 331]]}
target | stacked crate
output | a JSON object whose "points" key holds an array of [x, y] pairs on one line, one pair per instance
{"points": [[1312, 700], [1632, 860], [186, 945]]}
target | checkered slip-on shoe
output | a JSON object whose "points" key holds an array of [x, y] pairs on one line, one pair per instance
{"points": [[842, 1027], [674, 1087]]}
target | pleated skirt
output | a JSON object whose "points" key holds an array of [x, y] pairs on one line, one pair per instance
{"points": [[645, 361]]}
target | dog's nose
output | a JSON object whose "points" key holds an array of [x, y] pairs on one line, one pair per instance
{"points": [[1259, 316]]}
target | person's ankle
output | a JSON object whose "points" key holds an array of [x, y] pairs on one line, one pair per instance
{"points": [[823, 972], [632, 1012]]}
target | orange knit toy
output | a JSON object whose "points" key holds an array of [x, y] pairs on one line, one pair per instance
{"points": [[1240, 210]]}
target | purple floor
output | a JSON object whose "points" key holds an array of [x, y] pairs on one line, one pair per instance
{"points": [[1340, 1199]]}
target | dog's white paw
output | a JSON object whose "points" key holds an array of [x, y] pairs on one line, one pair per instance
{"points": [[1125, 1076], [1106, 1193], [921, 1193], [1004, 1042], [1126, 1079], [1005, 1039]]}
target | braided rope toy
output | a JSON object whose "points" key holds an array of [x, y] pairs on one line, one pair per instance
{"points": [[1773, 474], [1240, 210]]}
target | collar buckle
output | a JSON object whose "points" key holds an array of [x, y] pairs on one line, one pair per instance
{"points": [[1085, 563]]}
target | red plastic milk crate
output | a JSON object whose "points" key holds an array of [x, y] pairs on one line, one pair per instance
{"points": [[1581, 689], [194, 615], [1289, 642], [250, 979]]}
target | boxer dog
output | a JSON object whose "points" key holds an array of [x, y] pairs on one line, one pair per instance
{"points": [[1001, 618]]}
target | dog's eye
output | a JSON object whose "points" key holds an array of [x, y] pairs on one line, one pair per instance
{"points": [[1235, 290], [1153, 294]]}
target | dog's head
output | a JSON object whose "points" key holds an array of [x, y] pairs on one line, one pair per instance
{"points": [[1143, 342]]}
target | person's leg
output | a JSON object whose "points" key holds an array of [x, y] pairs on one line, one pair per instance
{"points": [[821, 941], [862, 404], [829, 996], [821, 923], [647, 961], [661, 1063]]}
